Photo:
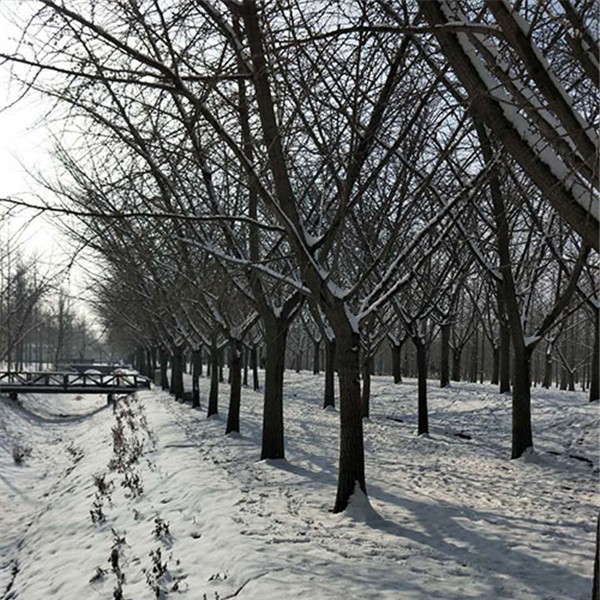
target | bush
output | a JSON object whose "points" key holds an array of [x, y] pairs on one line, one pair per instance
{"points": [[20, 453]]}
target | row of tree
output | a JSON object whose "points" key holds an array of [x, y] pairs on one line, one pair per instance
{"points": [[40, 327], [375, 171]]}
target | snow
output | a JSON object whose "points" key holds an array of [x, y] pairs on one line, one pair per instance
{"points": [[359, 507], [311, 240], [558, 87], [447, 516], [531, 340], [586, 196]]}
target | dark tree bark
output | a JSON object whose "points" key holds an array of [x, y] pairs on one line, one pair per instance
{"points": [[396, 362], [164, 363], [179, 388], [141, 364], [196, 366], [367, 368], [456, 362], [245, 377], [445, 355], [423, 413], [571, 380], [235, 391], [213, 398], [563, 379], [547, 380], [177, 373], [316, 357], [595, 367], [254, 365], [596, 581], [351, 465], [504, 347], [172, 383], [148, 363], [273, 432], [474, 358], [329, 397], [153, 362], [495, 365], [522, 437], [482, 364]]}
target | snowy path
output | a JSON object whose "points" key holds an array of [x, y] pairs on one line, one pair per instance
{"points": [[453, 518]]}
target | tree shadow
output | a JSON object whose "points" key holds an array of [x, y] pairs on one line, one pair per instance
{"points": [[440, 523]]}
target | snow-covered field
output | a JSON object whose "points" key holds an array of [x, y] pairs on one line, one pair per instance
{"points": [[195, 514]]}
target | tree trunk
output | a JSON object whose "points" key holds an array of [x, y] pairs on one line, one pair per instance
{"points": [[482, 369], [213, 398], [254, 365], [504, 347], [571, 380], [317, 357], [153, 362], [329, 399], [547, 379], [351, 465], [235, 390], [595, 367], [456, 357], [177, 373], [445, 356], [140, 360], [563, 379], [522, 438], [245, 378], [596, 581], [495, 365], [148, 371], [423, 415], [474, 358], [164, 363], [196, 365], [352, 460], [173, 362], [367, 366], [396, 362], [220, 363], [273, 432]]}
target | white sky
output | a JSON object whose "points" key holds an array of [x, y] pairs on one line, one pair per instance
{"points": [[25, 147]]}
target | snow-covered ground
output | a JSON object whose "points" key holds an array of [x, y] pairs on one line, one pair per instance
{"points": [[194, 514]]}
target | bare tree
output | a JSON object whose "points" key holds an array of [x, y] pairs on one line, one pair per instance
{"points": [[547, 129]]}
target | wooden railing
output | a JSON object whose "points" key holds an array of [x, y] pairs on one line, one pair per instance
{"points": [[62, 382]]}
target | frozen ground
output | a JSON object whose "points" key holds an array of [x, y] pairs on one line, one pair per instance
{"points": [[194, 514]]}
